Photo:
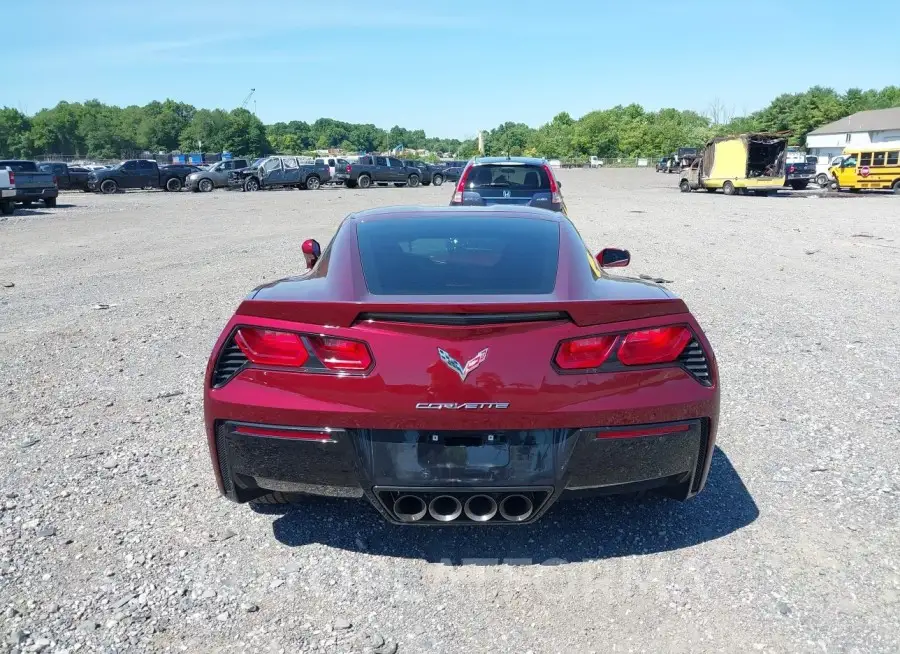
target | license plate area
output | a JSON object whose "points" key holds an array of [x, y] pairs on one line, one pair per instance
{"points": [[426, 457]]}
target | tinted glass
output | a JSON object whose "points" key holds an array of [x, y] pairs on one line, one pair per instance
{"points": [[395, 162], [865, 159], [504, 175], [130, 165], [380, 161], [145, 165], [892, 158], [878, 159], [459, 256], [19, 166]]}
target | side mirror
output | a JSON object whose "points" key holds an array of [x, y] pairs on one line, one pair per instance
{"points": [[613, 258], [311, 252], [558, 184]]}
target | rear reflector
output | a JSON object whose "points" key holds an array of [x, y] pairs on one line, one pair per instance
{"points": [[267, 347], [339, 354], [637, 432], [584, 353], [321, 435], [660, 345]]}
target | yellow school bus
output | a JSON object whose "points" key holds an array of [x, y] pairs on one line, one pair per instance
{"points": [[738, 164], [868, 167]]}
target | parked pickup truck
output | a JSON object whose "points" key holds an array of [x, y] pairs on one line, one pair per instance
{"points": [[375, 169], [140, 173], [799, 170], [280, 171], [68, 178], [22, 183], [216, 176], [429, 174]]}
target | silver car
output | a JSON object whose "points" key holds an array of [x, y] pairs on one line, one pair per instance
{"points": [[216, 176]]}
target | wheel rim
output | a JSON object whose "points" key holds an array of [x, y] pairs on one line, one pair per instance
{"points": [[685, 186], [728, 188], [438, 180], [312, 183], [364, 182], [413, 181], [108, 186], [205, 185], [251, 185], [173, 185]]}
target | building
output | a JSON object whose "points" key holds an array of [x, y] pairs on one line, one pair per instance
{"points": [[881, 126]]}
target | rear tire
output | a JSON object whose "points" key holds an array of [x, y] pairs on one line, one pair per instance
{"points": [[413, 181], [173, 184], [312, 182], [685, 186], [205, 185], [49, 202], [108, 187], [896, 187], [276, 498], [822, 180], [364, 181], [728, 188], [7, 208], [437, 180]]}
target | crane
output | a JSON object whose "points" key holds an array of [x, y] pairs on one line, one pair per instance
{"points": [[247, 99]]}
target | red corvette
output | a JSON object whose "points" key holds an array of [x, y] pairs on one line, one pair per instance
{"points": [[460, 366]]}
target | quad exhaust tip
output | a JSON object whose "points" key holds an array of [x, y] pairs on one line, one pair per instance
{"points": [[409, 508], [480, 508], [516, 508], [445, 508]]}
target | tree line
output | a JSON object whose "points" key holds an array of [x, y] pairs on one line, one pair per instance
{"points": [[97, 130]]}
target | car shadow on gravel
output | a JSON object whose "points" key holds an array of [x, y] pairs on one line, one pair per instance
{"points": [[571, 531]]}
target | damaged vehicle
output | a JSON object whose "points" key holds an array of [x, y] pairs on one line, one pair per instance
{"points": [[279, 172], [747, 163]]}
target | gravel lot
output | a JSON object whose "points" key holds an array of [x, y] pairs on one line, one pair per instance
{"points": [[114, 538]]}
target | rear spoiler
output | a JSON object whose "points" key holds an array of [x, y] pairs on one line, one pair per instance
{"points": [[346, 314]]}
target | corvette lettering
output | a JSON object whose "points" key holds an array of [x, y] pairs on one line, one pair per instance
{"points": [[465, 406]]}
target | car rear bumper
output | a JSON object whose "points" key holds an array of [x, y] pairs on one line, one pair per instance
{"points": [[252, 459], [28, 194]]}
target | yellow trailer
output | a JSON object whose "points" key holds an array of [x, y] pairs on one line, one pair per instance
{"points": [[738, 164]]}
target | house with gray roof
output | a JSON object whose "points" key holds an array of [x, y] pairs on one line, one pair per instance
{"points": [[881, 126]]}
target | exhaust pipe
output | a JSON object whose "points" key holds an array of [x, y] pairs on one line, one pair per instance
{"points": [[409, 508], [445, 508], [480, 508], [516, 508]]}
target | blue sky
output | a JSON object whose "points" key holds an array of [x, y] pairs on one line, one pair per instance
{"points": [[449, 67]]}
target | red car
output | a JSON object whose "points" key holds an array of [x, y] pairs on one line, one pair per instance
{"points": [[460, 366]]}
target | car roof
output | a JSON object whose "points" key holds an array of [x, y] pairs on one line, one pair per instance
{"points": [[534, 161], [492, 211]]}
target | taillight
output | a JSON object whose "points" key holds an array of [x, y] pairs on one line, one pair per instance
{"points": [[348, 168], [659, 345], [584, 353], [311, 353], [268, 347], [12, 178], [461, 185], [791, 169], [555, 197], [340, 354]]}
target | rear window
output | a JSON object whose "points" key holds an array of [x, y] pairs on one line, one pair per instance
{"points": [[505, 175], [19, 166], [459, 256]]}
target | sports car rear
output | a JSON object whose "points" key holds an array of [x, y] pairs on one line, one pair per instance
{"points": [[456, 381]]}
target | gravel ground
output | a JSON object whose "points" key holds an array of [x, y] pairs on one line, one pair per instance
{"points": [[114, 538]]}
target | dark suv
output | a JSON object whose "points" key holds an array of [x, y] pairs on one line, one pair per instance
{"points": [[509, 181]]}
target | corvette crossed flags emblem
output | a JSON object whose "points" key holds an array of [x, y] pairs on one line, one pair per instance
{"points": [[463, 370]]}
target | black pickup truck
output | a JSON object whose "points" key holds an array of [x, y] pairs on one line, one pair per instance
{"points": [[279, 171], [376, 169], [68, 178], [140, 173], [799, 170], [429, 174]]}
